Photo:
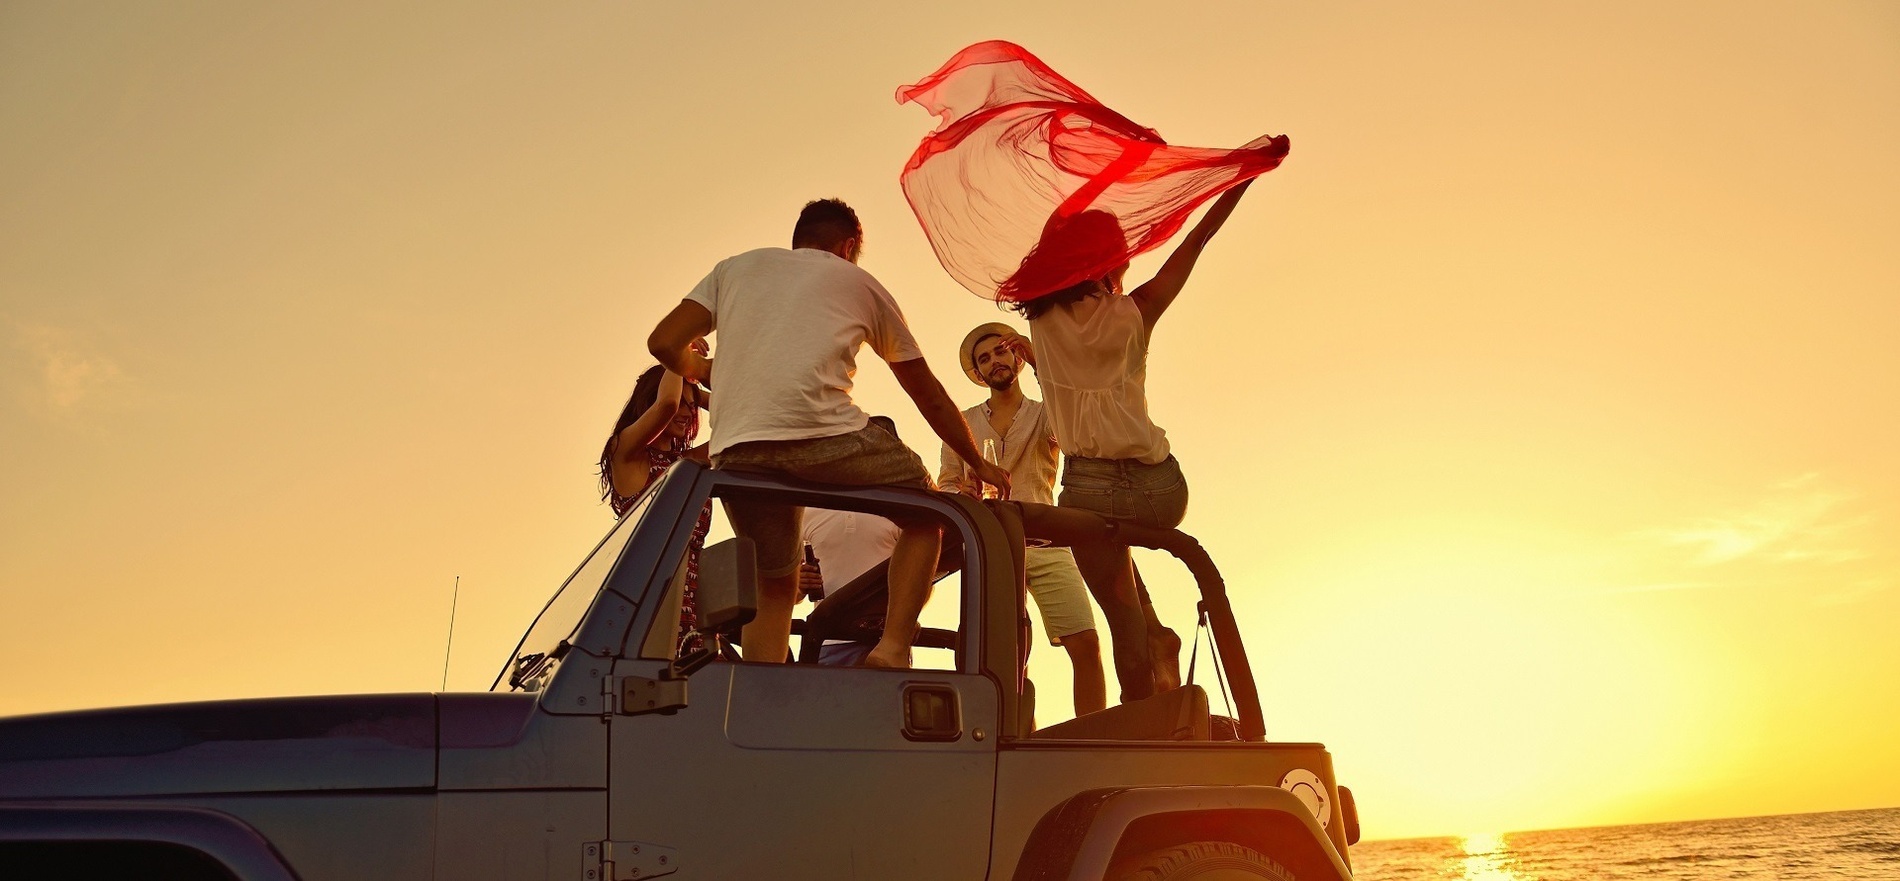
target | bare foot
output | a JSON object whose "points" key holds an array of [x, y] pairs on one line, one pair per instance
{"points": [[894, 657], [1164, 648]]}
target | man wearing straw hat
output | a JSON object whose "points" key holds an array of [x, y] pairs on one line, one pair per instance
{"points": [[1016, 428]]}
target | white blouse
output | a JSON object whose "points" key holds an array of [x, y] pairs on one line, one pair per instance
{"points": [[1094, 378]]}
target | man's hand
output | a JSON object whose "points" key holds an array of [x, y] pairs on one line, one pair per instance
{"points": [[994, 476], [811, 582]]}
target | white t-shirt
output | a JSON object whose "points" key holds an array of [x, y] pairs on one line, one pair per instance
{"points": [[1094, 377], [847, 543], [789, 326]]}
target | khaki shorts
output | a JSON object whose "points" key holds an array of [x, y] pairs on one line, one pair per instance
{"points": [[1061, 596], [869, 456]]}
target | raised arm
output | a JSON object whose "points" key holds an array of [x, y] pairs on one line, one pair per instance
{"points": [[630, 444], [1154, 297], [672, 342], [945, 419], [648, 425]]}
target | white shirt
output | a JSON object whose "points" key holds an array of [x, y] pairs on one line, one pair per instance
{"points": [[1094, 378], [847, 543], [789, 324], [1027, 451]]}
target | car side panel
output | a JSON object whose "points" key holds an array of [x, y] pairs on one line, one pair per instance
{"points": [[787, 772], [342, 837], [1034, 778], [506, 741], [517, 836], [291, 744]]}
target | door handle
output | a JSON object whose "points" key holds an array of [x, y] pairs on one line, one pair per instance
{"points": [[932, 712]]}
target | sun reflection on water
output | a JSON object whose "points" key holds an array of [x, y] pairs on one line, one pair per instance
{"points": [[1487, 859]]}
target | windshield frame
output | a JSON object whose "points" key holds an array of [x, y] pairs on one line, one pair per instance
{"points": [[537, 641]]}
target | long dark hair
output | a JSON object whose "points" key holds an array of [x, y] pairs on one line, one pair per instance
{"points": [[1075, 293], [1092, 240], [646, 391]]}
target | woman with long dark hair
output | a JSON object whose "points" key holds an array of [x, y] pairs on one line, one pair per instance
{"points": [[656, 429]]}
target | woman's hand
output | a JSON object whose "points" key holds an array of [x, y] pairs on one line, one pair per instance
{"points": [[700, 357], [679, 341], [1021, 348]]}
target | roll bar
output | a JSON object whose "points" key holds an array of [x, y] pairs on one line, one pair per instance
{"points": [[1220, 618], [993, 524], [1072, 526]]}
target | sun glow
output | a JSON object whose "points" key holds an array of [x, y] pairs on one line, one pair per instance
{"points": [[1487, 859], [1496, 663]]}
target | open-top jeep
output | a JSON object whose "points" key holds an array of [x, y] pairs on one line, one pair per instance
{"points": [[601, 755]]}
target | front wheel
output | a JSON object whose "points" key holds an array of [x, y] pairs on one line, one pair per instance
{"points": [[1204, 861]]}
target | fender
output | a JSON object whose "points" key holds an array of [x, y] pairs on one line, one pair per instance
{"points": [[230, 841], [1081, 838]]}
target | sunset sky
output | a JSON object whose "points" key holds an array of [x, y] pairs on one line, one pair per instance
{"points": [[1542, 409]]}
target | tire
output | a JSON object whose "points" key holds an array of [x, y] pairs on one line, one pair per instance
{"points": [[1203, 861]]}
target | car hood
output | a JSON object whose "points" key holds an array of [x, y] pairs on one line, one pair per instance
{"points": [[294, 744]]}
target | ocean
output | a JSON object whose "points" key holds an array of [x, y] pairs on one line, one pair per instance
{"points": [[1849, 844]]}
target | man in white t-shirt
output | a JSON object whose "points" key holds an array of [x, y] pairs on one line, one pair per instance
{"points": [[789, 324]]}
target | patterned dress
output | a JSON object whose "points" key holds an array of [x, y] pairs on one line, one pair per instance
{"points": [[661, 455]]}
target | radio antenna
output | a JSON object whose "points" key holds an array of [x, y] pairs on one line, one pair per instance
{"points": [[453, 598]]}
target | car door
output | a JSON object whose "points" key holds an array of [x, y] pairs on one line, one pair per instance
{"points": [[808, 771], [795, 771]]}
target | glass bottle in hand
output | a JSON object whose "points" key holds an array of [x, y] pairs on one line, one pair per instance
{"points": [[989, 455]]}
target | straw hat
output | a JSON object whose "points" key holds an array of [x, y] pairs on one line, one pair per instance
{"points": [[967, 353]]}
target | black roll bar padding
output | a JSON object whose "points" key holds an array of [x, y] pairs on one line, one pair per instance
{"points": [[1071, 526], [1220, 614], [1010, 516]]}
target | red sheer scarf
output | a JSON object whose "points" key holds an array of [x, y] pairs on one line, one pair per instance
{"points": [[1030, 185]]}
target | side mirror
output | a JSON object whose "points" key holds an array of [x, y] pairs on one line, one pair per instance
{"points": [[728, 586]]}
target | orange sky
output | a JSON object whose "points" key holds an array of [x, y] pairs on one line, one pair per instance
{"points": [[1541, 409]]}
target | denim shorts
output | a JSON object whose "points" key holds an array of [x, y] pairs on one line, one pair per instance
{"points": [[1126, 489], [869, 456]]}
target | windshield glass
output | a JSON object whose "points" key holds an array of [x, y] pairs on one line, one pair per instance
{"points": [[546, 641]]}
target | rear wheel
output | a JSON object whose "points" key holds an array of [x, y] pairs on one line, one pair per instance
{"points": [[1203, 861]]}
